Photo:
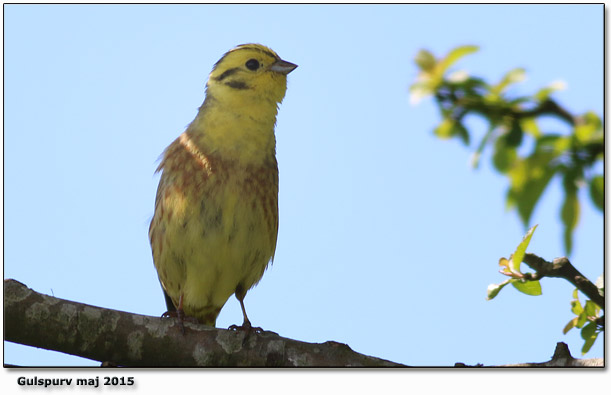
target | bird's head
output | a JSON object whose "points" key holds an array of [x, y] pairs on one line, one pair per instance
{"points": [[249, 72]]}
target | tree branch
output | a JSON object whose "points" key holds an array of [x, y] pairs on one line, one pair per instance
{"points": [[123, 339], [562, 268], [548, 107], [562, 358], [117, 338], [470, 102]]}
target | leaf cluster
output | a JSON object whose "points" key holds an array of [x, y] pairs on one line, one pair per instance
{"points": [[523, 282], [587, 317], [513, 122]]}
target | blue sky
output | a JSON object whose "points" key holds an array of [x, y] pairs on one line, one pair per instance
{"points": [[388, 239]]}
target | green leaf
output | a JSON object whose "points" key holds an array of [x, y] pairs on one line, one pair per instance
{"points": [[514, 137], [453, 56], [425, 60], [581, 320], [588, 344], [576, 307], [511, 77], [445, 130], [591, 309], [529, 125], [494, 289], [544, 93], [554, 143], [449, 128], [528, 287], [570, 325], [462, 132], [518, 255], [529, 178], [588, 331], [504, 263], [597, 191], [589, 334], [570, 210], [587, 127]]}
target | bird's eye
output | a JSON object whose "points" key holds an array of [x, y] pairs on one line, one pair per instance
{"points": [[252, 64]]}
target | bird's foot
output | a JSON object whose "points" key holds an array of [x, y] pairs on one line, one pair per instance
{"points": [[246, 327], [172, 314]]}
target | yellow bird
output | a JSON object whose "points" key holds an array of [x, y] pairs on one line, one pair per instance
{"points": [[216, 212]]}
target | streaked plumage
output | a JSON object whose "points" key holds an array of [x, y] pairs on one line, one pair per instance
{"points": [[216, 212]]}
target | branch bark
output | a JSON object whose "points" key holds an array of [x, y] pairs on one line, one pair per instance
{"points": [[562, 358], [117, 338], [562, 268]]}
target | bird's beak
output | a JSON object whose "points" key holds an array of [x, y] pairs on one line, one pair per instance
{"points": [[283, 67]]}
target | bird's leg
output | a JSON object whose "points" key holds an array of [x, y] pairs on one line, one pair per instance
{"points": [[179, 314], [246, 326]]}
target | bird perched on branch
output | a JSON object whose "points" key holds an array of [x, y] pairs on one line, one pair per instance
{"points": [[216, 212]]}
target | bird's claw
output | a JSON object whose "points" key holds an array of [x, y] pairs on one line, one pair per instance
{"points": [[171, 314], [246, 327]]}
